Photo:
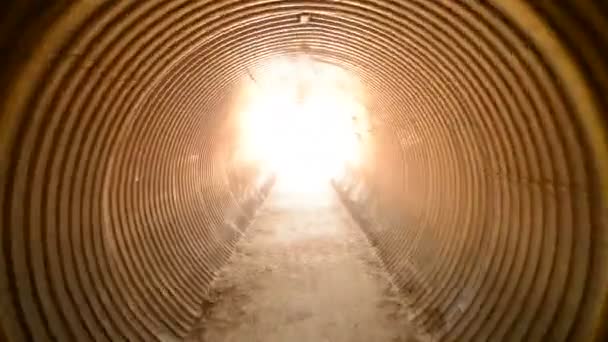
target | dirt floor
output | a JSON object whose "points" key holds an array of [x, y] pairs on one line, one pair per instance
{"points": [[303, 272]]}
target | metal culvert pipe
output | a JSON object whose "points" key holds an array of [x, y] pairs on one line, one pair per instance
{"points": [[486, 198]]}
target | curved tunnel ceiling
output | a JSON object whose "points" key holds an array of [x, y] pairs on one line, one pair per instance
{"points": [[487, 194]]}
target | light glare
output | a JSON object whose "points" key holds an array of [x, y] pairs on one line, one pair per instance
{"points": [[298, 123]]}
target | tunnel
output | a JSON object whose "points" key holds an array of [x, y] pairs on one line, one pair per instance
{"points": [[485, 195]]}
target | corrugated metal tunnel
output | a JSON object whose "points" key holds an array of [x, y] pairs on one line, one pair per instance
{"points": [[487, 198]]}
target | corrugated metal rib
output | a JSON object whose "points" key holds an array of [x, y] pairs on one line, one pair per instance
{"points": [[487, 197]]}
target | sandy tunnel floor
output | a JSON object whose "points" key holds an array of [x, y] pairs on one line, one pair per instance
{"points": [[303, 271]]}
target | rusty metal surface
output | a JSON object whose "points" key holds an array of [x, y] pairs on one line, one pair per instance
{"points": [[488, 196]]}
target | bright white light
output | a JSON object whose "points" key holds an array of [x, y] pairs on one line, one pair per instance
{"points": [[297, 122]]}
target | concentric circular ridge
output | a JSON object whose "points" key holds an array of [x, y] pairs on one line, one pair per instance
{"points": [[485, 191]]}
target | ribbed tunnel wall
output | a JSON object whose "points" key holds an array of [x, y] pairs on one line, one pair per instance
{"points": [[486, 193]]}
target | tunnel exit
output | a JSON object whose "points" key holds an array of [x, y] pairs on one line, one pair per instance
{"points": [[301, 120]]}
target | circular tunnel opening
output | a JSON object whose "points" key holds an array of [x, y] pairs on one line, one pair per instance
{"points": [[482, 182], [301, 120]]}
